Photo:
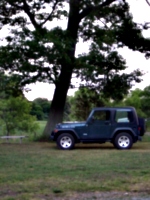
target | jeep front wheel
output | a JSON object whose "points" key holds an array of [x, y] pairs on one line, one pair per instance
{"points": [[123, 141], [65, 141]]}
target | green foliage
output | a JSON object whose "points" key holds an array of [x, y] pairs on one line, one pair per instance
{"points": [[67, 109], [140, 99], [102, 72], [36, 110], [135, 99], [40, 108], [15, 117], [82, 103], [145, 101], [14, 108], [10, 85], [40, 52]]}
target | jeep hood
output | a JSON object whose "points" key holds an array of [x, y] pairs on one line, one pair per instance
{"points": [[70, 124]]}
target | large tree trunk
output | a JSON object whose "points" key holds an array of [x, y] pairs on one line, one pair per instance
{"points": [[62, 85], [58, 102]]}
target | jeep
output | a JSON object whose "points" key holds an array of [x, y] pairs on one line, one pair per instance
{"points": [[118, 125]]}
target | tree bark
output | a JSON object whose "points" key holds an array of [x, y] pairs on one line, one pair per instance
{"points": [[58, 102], [63, 83]]}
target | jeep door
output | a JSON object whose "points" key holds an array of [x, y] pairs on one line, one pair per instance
{"points": [[99, 126]]}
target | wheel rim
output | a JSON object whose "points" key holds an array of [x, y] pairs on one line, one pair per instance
{"points": [[66, 142], [124, 141]]}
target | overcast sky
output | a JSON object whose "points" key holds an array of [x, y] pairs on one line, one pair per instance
{"points": [[141, 14]]}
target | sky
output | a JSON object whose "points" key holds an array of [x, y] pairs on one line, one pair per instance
{"points": [[141, 13]]}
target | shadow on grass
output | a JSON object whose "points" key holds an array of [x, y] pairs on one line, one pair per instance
{"points": [[107, 146], [142, 146]]}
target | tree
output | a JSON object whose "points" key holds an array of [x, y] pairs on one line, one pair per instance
{"points": [[10, 86], [37, 111], [67, 109], [140, 99], [40, 108], [145, 101], [14, 116], [114, 84], [135, 99], [14, 108], [83, 101], [44, 53]]}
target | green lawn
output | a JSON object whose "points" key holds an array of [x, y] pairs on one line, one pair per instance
{"points": [[38, 171]]}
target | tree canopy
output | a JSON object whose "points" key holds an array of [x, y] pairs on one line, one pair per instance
{"points": [[40, 50]]}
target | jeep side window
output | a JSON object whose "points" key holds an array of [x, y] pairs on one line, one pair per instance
{"points": [[124, 116], [101, 115]]}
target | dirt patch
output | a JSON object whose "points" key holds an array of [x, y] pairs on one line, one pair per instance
{"points": [[99, 196], [7, 193]]}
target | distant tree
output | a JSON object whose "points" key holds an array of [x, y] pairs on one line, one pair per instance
{"points": [[145, 101], [14, 107], [135, 99], [36, 110], [83, 101], [15, 117], [40, 108], [67, 109]]}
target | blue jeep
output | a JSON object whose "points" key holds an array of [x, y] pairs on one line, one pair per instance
{"points": [[118, 125]]}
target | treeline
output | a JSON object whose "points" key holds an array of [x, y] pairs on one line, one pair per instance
{"points": [[40, 108], [79, 106], [15, 109], [18, 115]]}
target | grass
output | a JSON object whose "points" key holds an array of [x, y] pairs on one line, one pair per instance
{"points": [[40, 171]]}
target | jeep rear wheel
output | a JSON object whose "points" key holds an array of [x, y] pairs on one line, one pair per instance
{"points": [[123, 141], [65, 141]]}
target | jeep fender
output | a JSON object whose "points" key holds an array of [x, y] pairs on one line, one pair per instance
{"points": [[125, 129], [71, 131]]}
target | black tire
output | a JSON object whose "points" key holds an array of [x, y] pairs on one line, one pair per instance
{"points": [[123, 141], [65, 141]]}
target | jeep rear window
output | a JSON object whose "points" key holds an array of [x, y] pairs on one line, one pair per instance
{"points": [[124, 116]]}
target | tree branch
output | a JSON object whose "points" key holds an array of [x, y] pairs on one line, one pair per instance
{"points": [[148, 2], [50, 15], [146, 25], [15, 5], [30, 15], [90, 9]]}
